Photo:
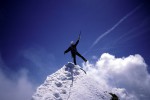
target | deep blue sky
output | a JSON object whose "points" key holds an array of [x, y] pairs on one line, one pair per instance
{"points": [[35, 33]]}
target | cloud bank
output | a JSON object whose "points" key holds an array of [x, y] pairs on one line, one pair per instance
{"points": [[22, 89], [34, 64], [18, 87], [127, 76]]}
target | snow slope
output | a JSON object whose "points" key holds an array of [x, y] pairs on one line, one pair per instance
{"points": [[70, 83]]}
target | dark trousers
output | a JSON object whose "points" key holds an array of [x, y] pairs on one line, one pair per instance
{"points": [[78, 54]]}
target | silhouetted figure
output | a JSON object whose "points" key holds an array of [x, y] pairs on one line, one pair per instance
{"points": [[74, 51], [114, 96]]}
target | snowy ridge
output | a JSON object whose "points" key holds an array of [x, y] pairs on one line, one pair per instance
{"points": [[70, 83]]}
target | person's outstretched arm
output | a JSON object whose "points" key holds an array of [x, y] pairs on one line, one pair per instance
{"points": [[67, 50], [77, 41]]}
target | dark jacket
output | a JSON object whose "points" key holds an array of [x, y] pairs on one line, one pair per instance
{"points": [[73, 48]]}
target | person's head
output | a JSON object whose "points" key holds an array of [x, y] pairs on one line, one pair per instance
{"points": [[72, 43]]}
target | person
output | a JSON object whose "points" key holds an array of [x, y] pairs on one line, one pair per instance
{"points": [[74, 51], [114, 96]]}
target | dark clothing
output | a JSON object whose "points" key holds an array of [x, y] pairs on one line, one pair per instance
{"points": [[74, 52], [114, 96], [78, 54]]}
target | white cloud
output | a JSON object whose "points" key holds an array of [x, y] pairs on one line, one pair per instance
{"points": [[22, 89], [126, 76], [94, 57], [18, 89]]}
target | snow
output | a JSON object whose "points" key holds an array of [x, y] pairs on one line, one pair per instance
{"points": [[71, 83]]}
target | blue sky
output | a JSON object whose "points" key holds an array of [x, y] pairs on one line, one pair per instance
{"points": [[35, 33]]}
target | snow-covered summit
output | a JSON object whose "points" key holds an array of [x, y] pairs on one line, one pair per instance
{"points": [[70, 83]]}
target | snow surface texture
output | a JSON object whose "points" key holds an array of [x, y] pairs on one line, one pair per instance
{"points": [[70, 83], [127, 77]]}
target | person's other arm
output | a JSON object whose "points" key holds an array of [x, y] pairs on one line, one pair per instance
{"points": [[66, 51]]}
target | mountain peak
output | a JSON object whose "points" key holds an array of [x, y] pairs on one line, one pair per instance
{"points": [[70, 83]]}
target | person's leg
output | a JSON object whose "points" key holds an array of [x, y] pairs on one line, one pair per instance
{"points": [[81, 56], [74, 59]]}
